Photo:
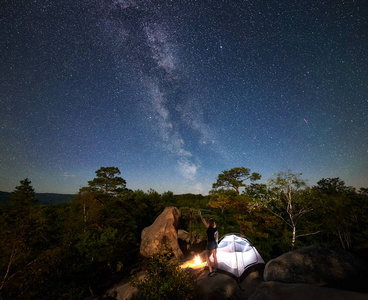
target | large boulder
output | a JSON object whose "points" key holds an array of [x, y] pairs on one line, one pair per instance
{"points": [[163, 231], [317, 264], [222, 286], [272, 290]]}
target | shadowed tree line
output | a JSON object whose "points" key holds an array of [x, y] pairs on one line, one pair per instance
{"points": [[81, 248]]}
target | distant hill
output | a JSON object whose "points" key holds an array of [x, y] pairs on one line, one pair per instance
{"points": [[43, 198]]}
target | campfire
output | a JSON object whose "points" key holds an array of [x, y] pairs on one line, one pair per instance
{"points": [[195, 263]]}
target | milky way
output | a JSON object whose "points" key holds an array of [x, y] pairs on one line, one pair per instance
{"points": [[174, 92]]}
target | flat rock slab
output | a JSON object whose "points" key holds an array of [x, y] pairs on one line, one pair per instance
{"points": [[272, 290]]}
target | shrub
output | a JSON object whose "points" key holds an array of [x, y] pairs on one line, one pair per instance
{"points": [[165, 279]]}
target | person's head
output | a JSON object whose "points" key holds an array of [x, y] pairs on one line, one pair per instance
{"points": [[211, 222]]}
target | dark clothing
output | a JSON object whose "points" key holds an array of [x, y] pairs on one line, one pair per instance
{"points": [[211, 238], [211, 245], [211, 233]]}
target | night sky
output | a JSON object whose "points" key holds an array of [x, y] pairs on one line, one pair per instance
{"points": [[174, 92]]}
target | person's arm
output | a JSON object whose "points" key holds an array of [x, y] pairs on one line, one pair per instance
{"points": [[203, 220], [216, 236]]}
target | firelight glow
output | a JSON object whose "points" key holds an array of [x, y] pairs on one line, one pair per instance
{"points": [[195, 263]]}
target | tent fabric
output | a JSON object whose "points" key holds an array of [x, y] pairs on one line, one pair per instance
{"points": [[235, 254]]}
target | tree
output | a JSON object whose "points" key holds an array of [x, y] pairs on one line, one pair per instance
{"points": [[107, 181], [283, 199], [225, 193], [234, 179], [18, 227], [23, 195], [343, 210], [105, 225]]}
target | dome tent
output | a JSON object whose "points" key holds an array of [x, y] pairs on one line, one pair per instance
{"points": [[236, 255]]}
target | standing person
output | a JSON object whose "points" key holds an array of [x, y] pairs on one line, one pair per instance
{"points": [[212, 238]]}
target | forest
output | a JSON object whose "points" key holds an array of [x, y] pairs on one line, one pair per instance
{"points": [[77, 249]]}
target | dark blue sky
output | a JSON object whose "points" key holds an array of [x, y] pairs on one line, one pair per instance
{"points": [[174, 92]]}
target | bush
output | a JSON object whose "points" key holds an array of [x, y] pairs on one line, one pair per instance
{"points": [[165, 279]]}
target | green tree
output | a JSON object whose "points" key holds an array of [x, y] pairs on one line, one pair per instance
{"points": [[344, 210], [226, 193], [107, 181], [234, 179], [16, 245], [105, 233], [23, 195]]}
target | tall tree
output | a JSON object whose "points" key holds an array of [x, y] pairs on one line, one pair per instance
{"points": [[23, 195], [284, 200], [18, 232], [107, 181], [226, 192], [342, 209], [234, 179]]}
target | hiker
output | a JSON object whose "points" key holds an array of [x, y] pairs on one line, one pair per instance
{"points": [[212, 239]]}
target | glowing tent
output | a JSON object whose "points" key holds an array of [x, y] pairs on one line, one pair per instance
{"points": [[235, 255]]}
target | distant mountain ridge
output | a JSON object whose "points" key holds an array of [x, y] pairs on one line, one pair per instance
{"points": [[43, 198]]}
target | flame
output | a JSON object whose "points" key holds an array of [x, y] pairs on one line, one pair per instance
{"points": [[195, 263]]}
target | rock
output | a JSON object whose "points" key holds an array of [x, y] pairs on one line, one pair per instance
{"points": [[164, 230], [272, 290], [124, 291], [218, 287], [317, 264], [222, 286]]}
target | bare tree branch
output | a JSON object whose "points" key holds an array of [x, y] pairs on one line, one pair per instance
{"points": [[306, 234]]}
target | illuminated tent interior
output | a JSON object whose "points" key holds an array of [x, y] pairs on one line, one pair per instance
{"points": [[236, 255]]}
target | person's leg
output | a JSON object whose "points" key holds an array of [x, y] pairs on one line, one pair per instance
{"points": [[208, 253], [214, 252]]}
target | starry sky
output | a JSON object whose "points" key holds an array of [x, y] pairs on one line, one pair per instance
{"points": [[173, 92]]}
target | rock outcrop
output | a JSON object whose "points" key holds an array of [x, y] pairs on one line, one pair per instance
{"points": [[124, 291], [272, 290], [222, 286], [318, 265], [163, 231]]}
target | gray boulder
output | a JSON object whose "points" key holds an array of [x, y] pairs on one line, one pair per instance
{"points": [[163, 232], [272, 290], [221, 287], [318, 264]]}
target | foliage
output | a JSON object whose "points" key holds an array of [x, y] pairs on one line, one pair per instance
{"points": [[345, 212], [234, 179], [23, 195], [107, 182], [226, 196], [76, 249], [164, 279], [284, 200]]}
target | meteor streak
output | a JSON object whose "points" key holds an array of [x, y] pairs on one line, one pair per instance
{"points": [[305, 120]]}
